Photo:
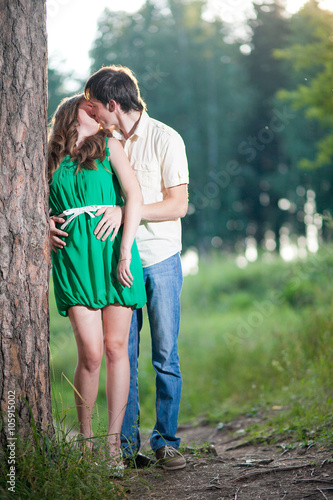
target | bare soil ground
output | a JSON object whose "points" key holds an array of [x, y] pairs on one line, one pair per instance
{"points": [[232, 470]]}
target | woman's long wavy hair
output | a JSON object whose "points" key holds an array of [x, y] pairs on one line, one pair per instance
{"points": [[63, 136]]}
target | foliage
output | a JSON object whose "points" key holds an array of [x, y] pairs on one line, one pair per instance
{"points": [[56, 90], [57, 469], [60, 85], [312, 56]]}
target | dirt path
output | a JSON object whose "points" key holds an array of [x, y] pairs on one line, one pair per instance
{"points": [[230, 471]]}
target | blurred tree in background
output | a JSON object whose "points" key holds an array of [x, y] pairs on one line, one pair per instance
{"points": [[266, 176], [310, 66], [312, 55], [56, 90], [246, 142], [58, 87]]}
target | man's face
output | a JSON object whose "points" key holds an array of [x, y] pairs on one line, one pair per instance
{"points": [[102, 114]]}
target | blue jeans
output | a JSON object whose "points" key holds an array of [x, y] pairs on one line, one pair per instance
{"points": [[163, 285]]}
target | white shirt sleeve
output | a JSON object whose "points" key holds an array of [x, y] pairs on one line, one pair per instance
{"points": [[174, 165]]}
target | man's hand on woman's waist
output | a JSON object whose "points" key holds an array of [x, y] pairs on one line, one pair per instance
{"points": [[56, 242]]}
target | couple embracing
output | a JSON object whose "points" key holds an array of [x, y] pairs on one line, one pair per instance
{"points": [[116, 200]]}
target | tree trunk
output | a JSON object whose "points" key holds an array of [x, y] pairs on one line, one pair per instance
{"points": [[24, 251]]}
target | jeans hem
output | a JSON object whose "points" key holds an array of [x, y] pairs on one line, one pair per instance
{"points": [[164, 442]]}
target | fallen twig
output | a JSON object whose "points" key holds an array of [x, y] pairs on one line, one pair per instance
{"points": [[250, 442], [213, 487], [293, 458], [273, 469], [254, 463], [230, 440], [246, 465], [313, 480], [322, 493], [285, 451], [216, 459], [285, 448], [214, 484]]}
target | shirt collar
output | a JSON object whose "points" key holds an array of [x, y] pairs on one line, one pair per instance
{"points": [[140, 130]]}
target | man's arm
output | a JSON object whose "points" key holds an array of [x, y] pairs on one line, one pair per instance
{"points": [[172, 207]]}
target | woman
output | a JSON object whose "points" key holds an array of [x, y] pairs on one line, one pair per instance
{"points": [[97, 280]]}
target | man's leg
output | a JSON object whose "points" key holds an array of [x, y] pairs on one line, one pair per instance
{"points": [[130, 431], [163, 284]]}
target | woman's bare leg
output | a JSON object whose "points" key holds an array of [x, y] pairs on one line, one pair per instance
{"points": [[116, 322], [88, 331]]}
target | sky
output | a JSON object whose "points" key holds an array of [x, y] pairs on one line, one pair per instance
{"points": [[71, 30], [72, 26]]}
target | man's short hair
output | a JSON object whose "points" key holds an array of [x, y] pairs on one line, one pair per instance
{"points": [[117, 83]]}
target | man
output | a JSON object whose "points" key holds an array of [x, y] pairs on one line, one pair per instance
{"points": [[157, 155]]}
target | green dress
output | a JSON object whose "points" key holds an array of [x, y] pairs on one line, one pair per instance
{"points": [[84, 271]]}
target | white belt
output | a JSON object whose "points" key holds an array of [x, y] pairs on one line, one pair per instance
{"points": [[74, 212]]}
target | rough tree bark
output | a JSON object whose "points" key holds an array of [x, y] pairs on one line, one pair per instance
{"points": [[24, 247]]}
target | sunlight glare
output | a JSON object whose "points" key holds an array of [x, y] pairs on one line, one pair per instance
{"points": [[190, 262]]}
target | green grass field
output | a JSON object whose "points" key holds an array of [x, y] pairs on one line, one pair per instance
{"points": [[251, 339]]}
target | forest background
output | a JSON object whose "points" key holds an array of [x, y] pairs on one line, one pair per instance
{"points": [[256, 114]]}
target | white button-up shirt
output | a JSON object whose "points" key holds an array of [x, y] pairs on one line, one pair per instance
{"points": [[157, 155]]}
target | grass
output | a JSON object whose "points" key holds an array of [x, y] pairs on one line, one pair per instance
{"points": [[56, 469], [263, 339], [252, 340]]}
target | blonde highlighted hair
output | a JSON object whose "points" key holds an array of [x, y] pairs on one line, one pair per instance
{"points": [[63, 136]]}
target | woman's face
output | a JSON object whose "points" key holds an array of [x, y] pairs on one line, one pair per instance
{"points": [[85, 118]]}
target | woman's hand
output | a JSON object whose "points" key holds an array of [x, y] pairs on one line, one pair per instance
{"points": [[109, 223], [56, 242], [124, 274]]}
